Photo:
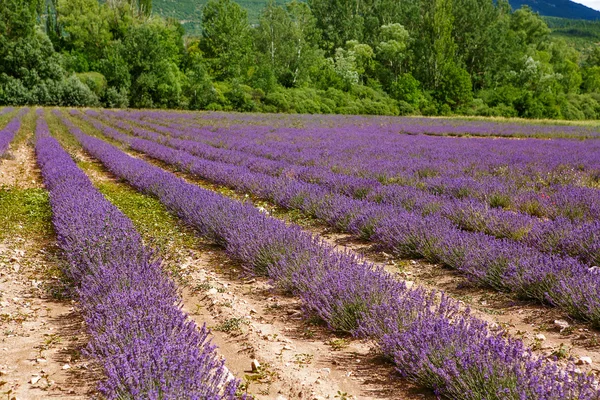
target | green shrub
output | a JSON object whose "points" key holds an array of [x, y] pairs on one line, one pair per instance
{"points": [[94, 80], [406, 88], [76, 94], [279, 100], [114, 98], [13, 92]]}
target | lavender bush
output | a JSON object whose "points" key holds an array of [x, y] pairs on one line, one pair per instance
{"points": [[522, 267], [147, 346], [353, 296], [7, 134]]}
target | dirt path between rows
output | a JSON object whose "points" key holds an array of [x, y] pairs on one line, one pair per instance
{"points": [[242, 309], [299, 360], [42, 335], [547, 330], [249, 321]]}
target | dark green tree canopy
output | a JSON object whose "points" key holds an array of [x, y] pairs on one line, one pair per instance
{"points": [[345, 56]]}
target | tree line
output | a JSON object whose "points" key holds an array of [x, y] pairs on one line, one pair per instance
{"points": [[430, 57]]}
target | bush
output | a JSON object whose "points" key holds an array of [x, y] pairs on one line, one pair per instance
{"points": [[278, 100], [76, 94], [456, 87], [114, 98], [13, 92], [569, 110], [503, 110], [406, 88], [214, 107], [94, 80], [589, 106], [429, 109], [240, 97], [404, 108]]}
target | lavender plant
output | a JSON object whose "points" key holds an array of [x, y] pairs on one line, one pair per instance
{"points": [[507, 265], [146, 345], [7, 134], [353, 296]]}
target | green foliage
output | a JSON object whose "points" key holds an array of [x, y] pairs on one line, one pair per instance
{"points": [[226, 39], [529, 25], [407, 89], [455, 87], [152, 53], [24, 212], [287, 38], [392, 48], [434, 57], [115, 98], [95, 81], [85, 23], [591, 79]]}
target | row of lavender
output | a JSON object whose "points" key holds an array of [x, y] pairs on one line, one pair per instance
{"points": [[543, 178], [6, 110], [8, 133], [145, 343], [561, 236], [503, 264], [429, 337], [409, 125]]}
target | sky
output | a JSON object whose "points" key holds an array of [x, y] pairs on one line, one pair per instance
{"points": [[595, 4]]}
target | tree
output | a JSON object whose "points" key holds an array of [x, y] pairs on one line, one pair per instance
{"points": [[391, 50], [226, 39], [84, 26], [152, 52], [364, 57], [345, 67], [198, 88], [443, 54], [18, 18], [529, 25], [339, 21], [287, 36]]}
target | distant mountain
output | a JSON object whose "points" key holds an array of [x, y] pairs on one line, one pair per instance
{"points": [[558, 8], [189, 11]]}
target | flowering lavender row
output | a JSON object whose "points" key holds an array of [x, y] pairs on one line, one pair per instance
{"points": [[353, 296], [542, 178], [6, 110], [560, 236], [146, 344], [502, 264], [7, 134], [409, 125], [359, 136]]}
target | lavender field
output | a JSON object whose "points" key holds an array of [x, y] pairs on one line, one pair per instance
{"points": [[463, 255]]}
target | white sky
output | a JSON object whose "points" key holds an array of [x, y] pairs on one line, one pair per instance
{"points": [[595, 4]]}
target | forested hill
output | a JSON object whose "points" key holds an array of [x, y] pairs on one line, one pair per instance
{"points": [[426, 57], [558, 8], [188, 11]]}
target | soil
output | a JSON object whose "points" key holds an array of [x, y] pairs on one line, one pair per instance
{"points": [[42, 334], [535, 324], [250, 321], [18, 167], [298, 359]]}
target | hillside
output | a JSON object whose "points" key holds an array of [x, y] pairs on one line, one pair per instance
{"points": [[581, 34], [189, 11], [558, 8]]}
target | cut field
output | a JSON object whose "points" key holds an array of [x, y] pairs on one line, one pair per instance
{"points": [[324, 256]]}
